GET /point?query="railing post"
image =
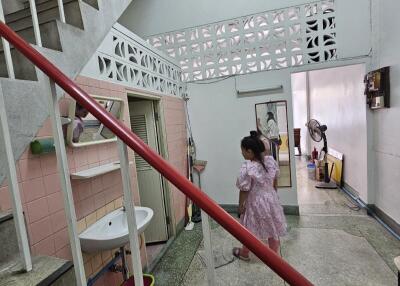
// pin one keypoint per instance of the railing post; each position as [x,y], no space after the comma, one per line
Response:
[63,170]
[13,187]
[6,48]
[61,10]
[205,226]
[130,214]
[35,22]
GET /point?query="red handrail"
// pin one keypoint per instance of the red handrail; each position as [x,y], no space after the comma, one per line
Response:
[275,262]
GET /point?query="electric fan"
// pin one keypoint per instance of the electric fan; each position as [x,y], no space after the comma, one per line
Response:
[317,133]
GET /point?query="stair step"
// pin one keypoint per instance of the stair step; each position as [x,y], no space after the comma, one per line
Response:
[92,3]
[46,271]
[49,34]
[23,68]
[46,11]
[9,250]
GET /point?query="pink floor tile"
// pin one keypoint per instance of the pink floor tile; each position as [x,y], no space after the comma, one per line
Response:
[30,168]
[61,239]
[33,189]
[44,247]
[5,199]
[48,163]
[40,230]
[52,183]
[65,253]
[55,202]
[58,220]
[37,209]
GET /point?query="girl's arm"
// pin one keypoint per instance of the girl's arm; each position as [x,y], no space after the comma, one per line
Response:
[276,184]
[242,201]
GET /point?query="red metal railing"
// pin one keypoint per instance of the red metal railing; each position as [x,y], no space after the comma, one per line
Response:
[275,262]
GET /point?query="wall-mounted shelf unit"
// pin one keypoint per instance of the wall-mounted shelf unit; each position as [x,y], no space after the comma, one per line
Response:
[97,171]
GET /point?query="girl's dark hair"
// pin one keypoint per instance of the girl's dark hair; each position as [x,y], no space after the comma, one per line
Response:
[254,144]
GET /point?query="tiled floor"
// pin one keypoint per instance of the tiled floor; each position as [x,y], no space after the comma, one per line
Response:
[319,201]
[153,251]
[330,243]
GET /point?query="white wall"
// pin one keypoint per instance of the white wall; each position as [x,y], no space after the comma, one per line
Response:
[299,91]
[337,100]
[386,135]
[220,119]
[150,17]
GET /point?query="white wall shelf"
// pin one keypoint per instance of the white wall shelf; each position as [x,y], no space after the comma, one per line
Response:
[97,171]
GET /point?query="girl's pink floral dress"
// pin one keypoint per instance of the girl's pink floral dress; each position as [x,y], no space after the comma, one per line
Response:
[264,215]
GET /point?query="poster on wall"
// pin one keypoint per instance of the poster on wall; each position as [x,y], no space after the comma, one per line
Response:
[377,88]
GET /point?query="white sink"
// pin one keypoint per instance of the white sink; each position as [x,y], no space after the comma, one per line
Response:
[111,231]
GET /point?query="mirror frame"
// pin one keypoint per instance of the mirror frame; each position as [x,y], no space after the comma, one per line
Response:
[290,185]
[71,115]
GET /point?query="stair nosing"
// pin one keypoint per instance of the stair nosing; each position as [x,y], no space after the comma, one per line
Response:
[42,23]
[6,217]
[37,9]
[56,275]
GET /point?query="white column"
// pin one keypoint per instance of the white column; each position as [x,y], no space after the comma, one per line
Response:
[6,48]
[308,94]
[63,170]
[13,188]
[35,21]
[205,224]
[130,213]
[209,255]
[61,10]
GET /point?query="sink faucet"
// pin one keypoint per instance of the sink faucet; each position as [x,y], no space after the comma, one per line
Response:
[123,208]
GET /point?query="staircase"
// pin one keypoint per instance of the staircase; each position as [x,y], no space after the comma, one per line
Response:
[68,45]
[9,253]
[46,270]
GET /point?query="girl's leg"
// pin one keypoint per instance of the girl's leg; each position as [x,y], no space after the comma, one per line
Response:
[274,244]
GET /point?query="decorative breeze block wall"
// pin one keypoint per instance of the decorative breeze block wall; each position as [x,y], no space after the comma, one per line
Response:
[270,40]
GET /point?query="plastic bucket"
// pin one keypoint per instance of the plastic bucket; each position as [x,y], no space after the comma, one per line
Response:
[311,171]
[148,280]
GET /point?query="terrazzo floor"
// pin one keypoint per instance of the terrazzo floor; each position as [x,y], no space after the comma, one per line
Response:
[330,243]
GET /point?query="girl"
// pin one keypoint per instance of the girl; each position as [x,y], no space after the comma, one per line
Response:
[269,128]
[264,140]
[259,206]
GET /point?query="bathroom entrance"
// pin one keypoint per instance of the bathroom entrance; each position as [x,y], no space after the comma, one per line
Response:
[145,122]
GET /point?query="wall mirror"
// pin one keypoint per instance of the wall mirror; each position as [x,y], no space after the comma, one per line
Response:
[272,123]
[85,129]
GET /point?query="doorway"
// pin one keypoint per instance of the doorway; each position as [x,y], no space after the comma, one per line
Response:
[335,98]
[153,189]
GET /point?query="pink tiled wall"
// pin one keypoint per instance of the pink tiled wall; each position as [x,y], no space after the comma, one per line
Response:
[40,185]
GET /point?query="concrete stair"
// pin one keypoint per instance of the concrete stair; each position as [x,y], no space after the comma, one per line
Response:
[9,252]
[46,270]
[68,46]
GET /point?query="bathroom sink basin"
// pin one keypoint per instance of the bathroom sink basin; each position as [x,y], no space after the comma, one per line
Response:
[111,231]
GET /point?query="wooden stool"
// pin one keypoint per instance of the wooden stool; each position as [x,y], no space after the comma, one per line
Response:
[297,136]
